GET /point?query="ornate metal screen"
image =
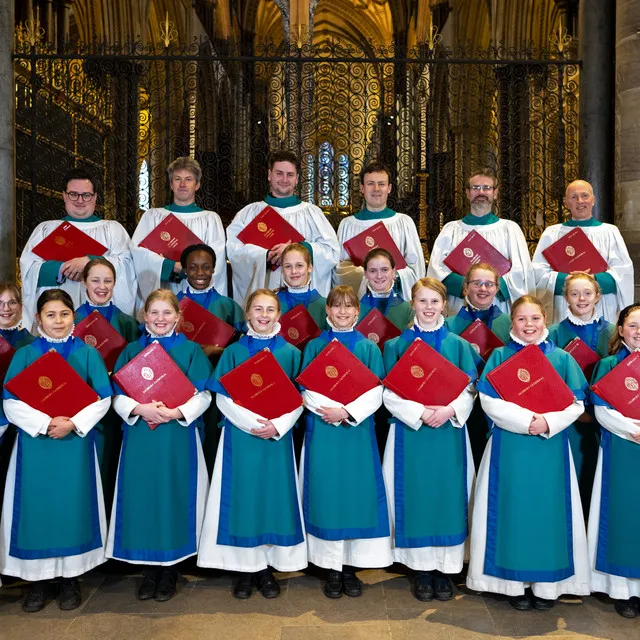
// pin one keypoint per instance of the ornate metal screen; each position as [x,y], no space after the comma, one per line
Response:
[432,115]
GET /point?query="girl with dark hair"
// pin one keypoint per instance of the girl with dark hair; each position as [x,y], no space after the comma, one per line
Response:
[53,519]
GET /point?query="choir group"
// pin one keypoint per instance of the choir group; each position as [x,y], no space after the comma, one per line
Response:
[377,480]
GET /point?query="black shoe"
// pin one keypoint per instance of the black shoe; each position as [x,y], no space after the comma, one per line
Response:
[244,586]
[36,597]
[521,603]
[69,597]
[443,587]
[423,588]
[149,582]
[626,608]
[542,604]
[166,588]
[332,588]
[351,584]
[268,586]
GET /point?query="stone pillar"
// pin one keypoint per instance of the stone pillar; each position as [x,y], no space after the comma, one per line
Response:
[627,139]
[7,156]
[597,86]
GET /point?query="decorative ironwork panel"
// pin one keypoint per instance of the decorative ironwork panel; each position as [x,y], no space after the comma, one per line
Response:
[432,115]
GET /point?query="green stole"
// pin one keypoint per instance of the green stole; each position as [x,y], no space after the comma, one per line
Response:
[618,552]
[158,472]
[529,510]
[596,335]
[311,300]
[498,322]
[343,489]
[394,308]
[55,504]
[258,498]
[428,511]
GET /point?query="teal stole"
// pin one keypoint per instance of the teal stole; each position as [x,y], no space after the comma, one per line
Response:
[428,511]
[17,337]
[529,511]
[311,300]
[61,517]
[394,308]
[618,552]
[343,489]
[258,498]
[220,306]
[124,324]
[158,471]
[595,335]
[498,322]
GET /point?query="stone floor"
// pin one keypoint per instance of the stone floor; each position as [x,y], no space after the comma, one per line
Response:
[204,608]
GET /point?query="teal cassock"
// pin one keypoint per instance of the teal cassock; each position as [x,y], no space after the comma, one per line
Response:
[500,324]
[583,436]
[529,531]
[223,307]
[618,552]
[62,517]
[311,300]
[343,488]
[17,337]
[258,501]
[394,308]
[430,511]
[124,324]
[229,311]
[161,488]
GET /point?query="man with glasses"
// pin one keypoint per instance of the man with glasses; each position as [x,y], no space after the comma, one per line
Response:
[79,197]
[616,282]
[504,235]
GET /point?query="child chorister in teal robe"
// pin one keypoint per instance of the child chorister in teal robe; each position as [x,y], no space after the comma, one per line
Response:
[582,294]
[53,517]
[614,519]
[429,516]
[344,498]
[253,522]
[528,527]
[162,480]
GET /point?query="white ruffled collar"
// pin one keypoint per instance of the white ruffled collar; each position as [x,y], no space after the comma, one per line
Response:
[629,348]
[380,294]
[339,329]
[186,287]
[96,305]
[56,340]
[540,340]
[15,326]
[437,326]
[252,333]
[164,335]
[474,308]
[303,289]
[579,322]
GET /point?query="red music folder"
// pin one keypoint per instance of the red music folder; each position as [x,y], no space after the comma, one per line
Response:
[372,238]
[424,376]
[52,386]
[336,373]
[621,387]
[529,380]
[170,238]
[66,242]
[97,331]
[6,353]
[201,326]
[584,355]
[269,228]
[298,327]
[377,328]
[261,385]
[482,339]
[475,249]
[153,375]
[574,252]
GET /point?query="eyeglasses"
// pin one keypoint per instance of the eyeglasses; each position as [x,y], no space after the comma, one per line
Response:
[483,283]
[12,304]
[74,196]
[482,187]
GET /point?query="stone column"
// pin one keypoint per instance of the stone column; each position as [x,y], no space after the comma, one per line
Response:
[627,139]
[597,85]
[7,157]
